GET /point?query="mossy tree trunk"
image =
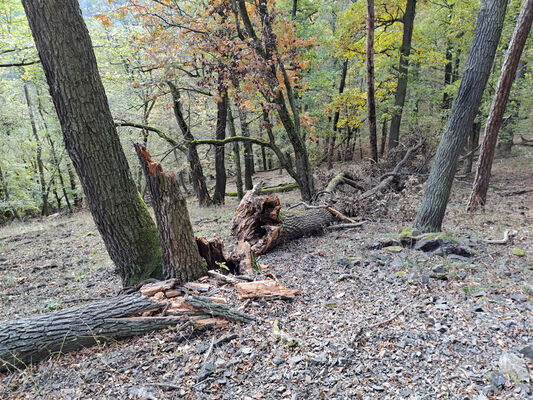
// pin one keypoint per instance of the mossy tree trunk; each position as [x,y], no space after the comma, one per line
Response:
[91,139]
[181,258]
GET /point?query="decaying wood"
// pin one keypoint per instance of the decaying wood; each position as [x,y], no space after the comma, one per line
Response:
[507,235]
[265,289]
[27,340]
[262,224]
[181,258]
[271,189]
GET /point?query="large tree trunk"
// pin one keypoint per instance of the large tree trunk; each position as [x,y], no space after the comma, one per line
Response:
[91,139]
[466,105]
[39,152]
[181,259]
[494,122]
[220,167]
[403,70]
[372,130]
[342,84]
[236,154]
[198,178]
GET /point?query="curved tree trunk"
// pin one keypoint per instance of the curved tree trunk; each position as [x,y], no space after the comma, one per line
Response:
[198,178]
[494,122]
[466,105]
[403,70]
[91,139]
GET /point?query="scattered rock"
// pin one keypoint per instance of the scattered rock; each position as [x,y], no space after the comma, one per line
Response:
[527,351]
[497,380]
[514,366]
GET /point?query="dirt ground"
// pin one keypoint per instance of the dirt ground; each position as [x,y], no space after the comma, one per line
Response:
[422,338]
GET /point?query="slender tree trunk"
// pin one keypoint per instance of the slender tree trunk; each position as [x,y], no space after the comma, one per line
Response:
[403,70]
[494,122]
[466,105]
[55,158]
[294,8]
[336,116]
[383,136]
[73,185]
[198,178]
[448,72]
[220,167]
[248,155]
[372,130]
[236,154]
[39,152]
[5,193]
[91,139]
[181,258]
[472,143]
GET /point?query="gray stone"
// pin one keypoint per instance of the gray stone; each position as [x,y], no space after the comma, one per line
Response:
[439,269]
[278,360]
[514,366]
[497,380]
[461,274]
[294,360]
[527,351]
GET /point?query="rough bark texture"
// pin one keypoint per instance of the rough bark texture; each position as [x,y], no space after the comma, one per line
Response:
[32,339]
[181,259]
[371,99]
[342,84]
[198,178]
[403,69]
[466,105]
[494,122]
[220,167]
[91,139]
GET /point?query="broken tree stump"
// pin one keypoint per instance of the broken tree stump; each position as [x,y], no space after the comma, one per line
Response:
[261,222]
[181,258]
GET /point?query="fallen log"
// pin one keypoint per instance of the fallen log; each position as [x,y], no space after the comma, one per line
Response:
[29,340]
[32,339]
[261,222]
[271,189]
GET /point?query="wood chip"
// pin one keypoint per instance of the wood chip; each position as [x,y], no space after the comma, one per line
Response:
[152,288]
[210,322]
[264,289]
[200,287]
[173,293]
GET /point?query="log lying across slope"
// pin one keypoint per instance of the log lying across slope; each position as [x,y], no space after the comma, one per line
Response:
[27,340]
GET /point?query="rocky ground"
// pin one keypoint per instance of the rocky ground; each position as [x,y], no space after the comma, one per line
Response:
[392,323]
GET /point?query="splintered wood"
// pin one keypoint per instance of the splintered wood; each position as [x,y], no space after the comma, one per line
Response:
[265,289]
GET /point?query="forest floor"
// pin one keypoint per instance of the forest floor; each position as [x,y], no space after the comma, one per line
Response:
[423,338]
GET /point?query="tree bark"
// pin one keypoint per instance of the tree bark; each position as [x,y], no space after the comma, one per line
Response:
[478,196]
[342,84]
[91,139]
[220,167]
[198,178]
[28,340]
[181,259]
[236,154]
[371,99]
[466,105]
[403,70]
[448,72]
[383,136]
[39,152]
[248,154]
